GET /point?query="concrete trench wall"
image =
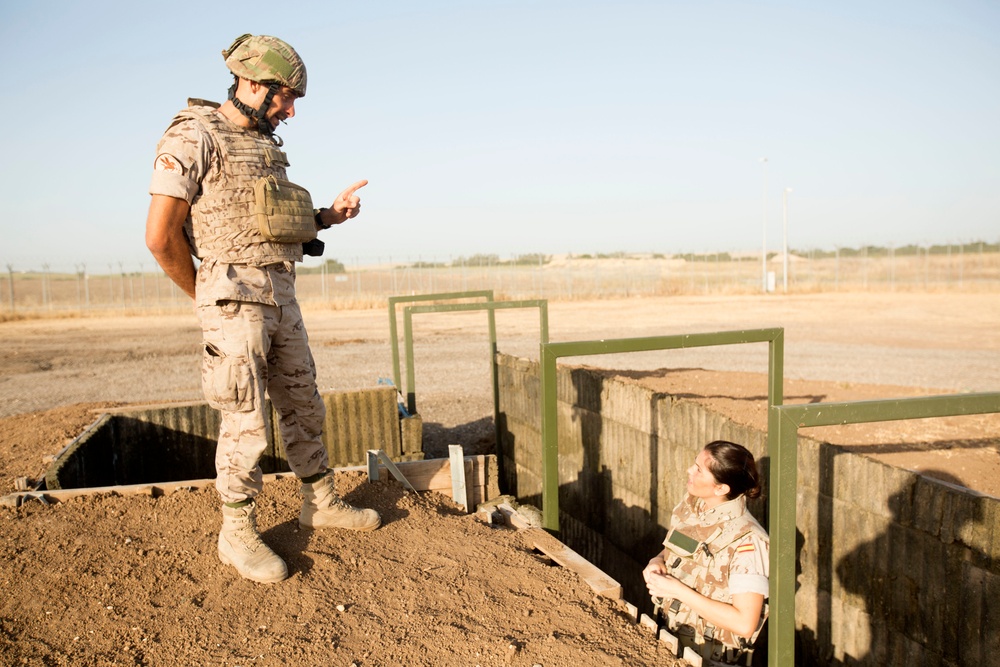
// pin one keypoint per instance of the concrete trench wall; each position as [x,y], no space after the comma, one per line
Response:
[174,442]
[894,568]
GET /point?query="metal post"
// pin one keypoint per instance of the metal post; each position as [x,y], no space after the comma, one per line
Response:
[550,439]
[10,284]
[784,250]
[46,288]
[763,249]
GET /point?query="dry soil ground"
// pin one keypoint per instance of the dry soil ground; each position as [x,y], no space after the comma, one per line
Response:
[114,580]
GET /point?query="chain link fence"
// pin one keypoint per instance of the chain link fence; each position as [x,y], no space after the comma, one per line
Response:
[141,287]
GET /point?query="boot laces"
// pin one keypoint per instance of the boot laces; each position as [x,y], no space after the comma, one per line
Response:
[336,502]
[246,533]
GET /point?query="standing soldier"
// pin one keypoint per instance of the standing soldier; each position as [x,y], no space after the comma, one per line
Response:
[219,193]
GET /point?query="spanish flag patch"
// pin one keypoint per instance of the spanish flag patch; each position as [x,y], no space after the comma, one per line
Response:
[744,548]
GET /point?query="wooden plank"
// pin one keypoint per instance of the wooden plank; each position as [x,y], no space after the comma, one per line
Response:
[590,573]
[154,490]
[435,474]
[426,475]
[456,462]
[384,458]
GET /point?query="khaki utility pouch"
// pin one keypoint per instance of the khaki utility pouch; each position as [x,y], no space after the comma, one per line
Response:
[284,211]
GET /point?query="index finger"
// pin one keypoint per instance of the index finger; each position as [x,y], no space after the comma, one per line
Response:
[357,186]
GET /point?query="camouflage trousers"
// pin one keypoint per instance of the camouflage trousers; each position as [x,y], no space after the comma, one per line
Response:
[250,349]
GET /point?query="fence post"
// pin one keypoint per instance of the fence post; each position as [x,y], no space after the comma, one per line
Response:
[10,285]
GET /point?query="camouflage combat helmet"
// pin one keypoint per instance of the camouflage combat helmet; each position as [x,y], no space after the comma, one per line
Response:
[266,59]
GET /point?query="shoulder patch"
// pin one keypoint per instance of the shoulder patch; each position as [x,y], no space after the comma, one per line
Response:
[167,162]
[743,548]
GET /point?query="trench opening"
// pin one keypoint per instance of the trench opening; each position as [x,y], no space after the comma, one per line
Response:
[176,442]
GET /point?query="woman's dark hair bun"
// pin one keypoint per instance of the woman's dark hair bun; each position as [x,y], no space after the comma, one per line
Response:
[734,465]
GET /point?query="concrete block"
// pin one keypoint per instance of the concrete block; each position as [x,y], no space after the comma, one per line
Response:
[628,404]
[807,463]
[647,622]
[807,530]
[825,475]
[929,500]
[412,434]
[873,477]
[895,495]
[974,616]
[824,538]
[670,641]
[906,578]
[990,631]
[933,593]
[847,479]
[856,630]
[847,546]
[986,549]
[951,602]
[971,522]
[664,416]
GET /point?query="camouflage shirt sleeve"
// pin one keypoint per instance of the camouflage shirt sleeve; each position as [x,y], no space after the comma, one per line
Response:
[183,157]
[748,569]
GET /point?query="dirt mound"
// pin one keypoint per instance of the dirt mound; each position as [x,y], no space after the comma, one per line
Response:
[136,580]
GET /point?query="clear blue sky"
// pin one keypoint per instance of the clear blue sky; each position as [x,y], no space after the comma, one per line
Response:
[528,126]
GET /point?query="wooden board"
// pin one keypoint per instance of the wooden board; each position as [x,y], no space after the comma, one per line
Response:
[590,573]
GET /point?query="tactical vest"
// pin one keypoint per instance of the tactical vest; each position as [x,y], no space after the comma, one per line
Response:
[243,216]
[699,548]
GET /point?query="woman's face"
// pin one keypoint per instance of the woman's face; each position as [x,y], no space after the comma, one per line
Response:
[701,483]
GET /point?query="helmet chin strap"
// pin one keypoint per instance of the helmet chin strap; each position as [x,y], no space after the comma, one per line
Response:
[258,115]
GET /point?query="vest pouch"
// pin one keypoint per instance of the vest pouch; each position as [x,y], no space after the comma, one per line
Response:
[284,211]
[681,544]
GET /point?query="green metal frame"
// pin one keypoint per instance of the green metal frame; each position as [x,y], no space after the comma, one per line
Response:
[784,422]
[552,351]
[491,307]
[443,296]
[781,492]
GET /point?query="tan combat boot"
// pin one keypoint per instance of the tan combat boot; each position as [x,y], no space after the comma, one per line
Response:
[322,508]
[240,545]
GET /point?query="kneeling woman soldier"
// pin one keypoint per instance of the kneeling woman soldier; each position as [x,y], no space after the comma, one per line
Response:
[710,580]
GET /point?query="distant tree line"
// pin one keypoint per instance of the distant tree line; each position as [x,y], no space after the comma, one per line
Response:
[534,259]
[911,249]
[863,251]
[538,259]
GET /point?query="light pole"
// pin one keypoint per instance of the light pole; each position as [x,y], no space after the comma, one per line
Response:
[763,249]
[784,248]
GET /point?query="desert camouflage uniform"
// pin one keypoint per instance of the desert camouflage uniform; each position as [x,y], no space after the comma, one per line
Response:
[717,552]
[253,334]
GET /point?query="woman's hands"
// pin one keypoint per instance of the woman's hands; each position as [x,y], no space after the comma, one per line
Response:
[741,615]
[659,583]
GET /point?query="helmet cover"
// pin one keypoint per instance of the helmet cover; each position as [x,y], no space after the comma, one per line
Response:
[266,59]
